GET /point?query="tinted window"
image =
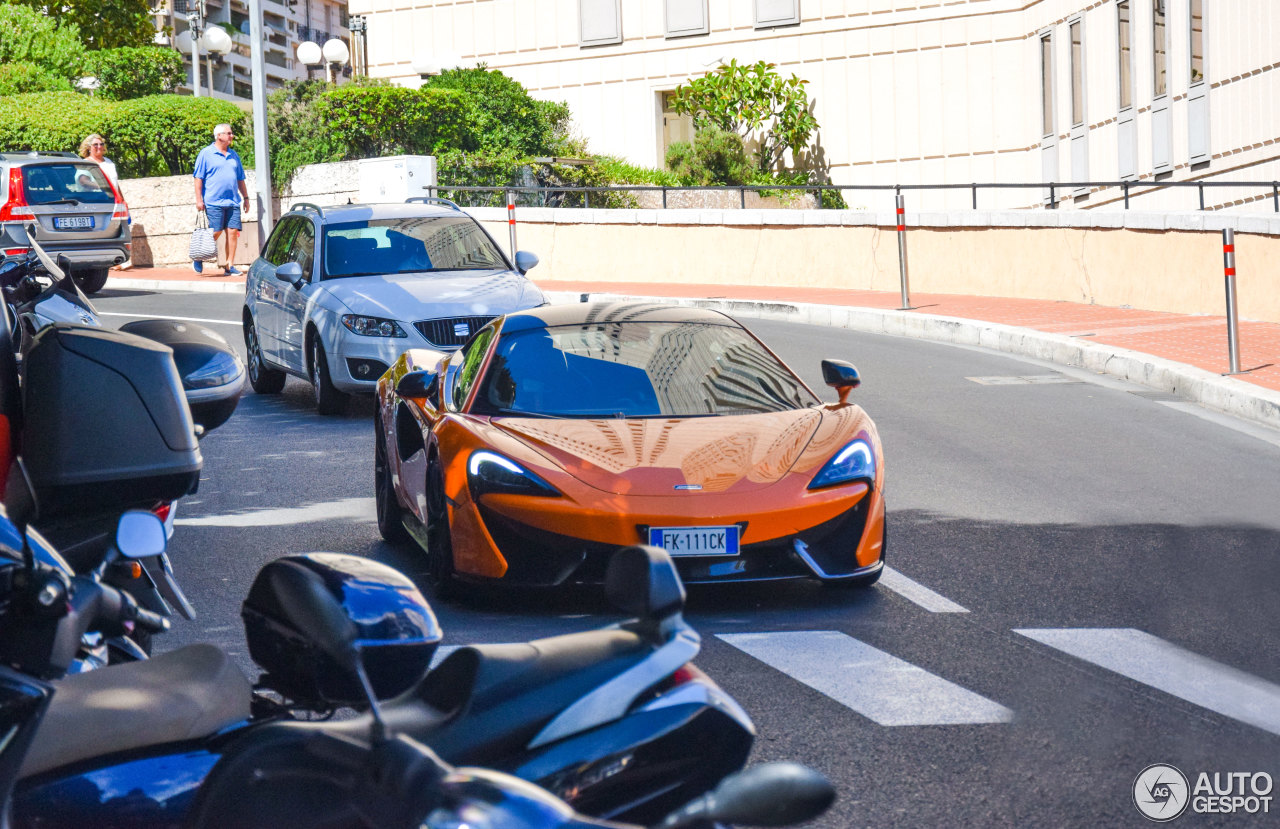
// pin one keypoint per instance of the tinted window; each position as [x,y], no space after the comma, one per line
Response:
[303,248]
[387,246]
[637,369]
[86,183]
[281,241]
[467,361]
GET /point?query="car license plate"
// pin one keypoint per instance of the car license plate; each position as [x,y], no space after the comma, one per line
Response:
[72,222]
[696,541]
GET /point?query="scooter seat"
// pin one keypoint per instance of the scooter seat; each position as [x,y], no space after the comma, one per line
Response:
[181,695]
[505,694]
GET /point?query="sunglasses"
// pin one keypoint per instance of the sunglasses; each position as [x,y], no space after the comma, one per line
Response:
[97,144]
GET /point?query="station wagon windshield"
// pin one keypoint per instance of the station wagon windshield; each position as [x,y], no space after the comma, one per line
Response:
[409,245]
[637,369]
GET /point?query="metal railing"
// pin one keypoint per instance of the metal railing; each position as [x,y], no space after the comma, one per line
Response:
[562,196]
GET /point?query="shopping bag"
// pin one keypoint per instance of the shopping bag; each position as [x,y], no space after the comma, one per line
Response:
[203,247]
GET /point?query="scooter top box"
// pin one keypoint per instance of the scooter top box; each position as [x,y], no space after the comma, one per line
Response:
[105,422]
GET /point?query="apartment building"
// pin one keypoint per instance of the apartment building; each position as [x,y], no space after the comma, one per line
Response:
[907,91]
[287,24]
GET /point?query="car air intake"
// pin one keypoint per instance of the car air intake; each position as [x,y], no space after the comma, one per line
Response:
[450,332]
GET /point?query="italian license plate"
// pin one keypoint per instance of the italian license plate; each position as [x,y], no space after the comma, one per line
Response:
[696,541]
[73,222]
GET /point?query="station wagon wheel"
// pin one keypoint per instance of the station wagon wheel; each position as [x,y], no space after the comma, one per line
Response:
[91,281]
[390,514]
[264,380]
[440,572]
[329,401]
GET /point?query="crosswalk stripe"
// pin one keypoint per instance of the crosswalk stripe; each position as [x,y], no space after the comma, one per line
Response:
[1153,661]
[878,685]
[918,593]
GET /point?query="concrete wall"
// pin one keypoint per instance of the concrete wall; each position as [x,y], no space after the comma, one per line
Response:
[1155,261]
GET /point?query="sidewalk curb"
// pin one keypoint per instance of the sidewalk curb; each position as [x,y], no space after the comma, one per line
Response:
[1223,394]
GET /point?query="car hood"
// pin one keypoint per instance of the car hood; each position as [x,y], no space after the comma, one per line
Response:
[660,456]
[415,296]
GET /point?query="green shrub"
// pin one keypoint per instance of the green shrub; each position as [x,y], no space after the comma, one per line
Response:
[24,76]
[49,121]
[28,36]
[374,121]
[134,72]
[163,134]
[617,171]
[466,169]
[504,117]
[716,156]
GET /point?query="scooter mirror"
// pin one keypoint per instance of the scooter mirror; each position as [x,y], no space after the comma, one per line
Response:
[140,534]
[772,794]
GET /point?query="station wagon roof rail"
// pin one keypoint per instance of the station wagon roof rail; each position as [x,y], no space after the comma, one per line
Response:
[306,205]
[432,200]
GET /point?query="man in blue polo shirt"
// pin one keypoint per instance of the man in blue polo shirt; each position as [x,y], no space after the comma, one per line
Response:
[218,175]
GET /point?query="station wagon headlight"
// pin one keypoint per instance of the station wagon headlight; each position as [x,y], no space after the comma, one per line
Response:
[855,462]
[490,472]
[372,326]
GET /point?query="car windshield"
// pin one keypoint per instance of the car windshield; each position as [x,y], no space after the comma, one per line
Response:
[410,245]
[61,183]
[637,369]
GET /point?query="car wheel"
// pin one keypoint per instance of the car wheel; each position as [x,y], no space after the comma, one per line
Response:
[329,401]
[440,571]
[390,515]
[91,281]
[868,580]
[264,380]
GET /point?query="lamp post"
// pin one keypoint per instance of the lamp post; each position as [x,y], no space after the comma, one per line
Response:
[215,40]
[334,51]
[186,43]
[261,149]
[359,28]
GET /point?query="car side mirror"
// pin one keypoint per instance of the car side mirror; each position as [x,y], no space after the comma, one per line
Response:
[418,384]
[290,272]
[841,376]
[140,534]
[526,261]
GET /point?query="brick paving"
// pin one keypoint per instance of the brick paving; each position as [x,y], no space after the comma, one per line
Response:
[1195,340]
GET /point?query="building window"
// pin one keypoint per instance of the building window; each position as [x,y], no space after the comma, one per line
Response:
[1159,48]
[771,13]
[1046,84]
[1077,75]
[686,17]
[600,22]
[1125,46]
[1197,41]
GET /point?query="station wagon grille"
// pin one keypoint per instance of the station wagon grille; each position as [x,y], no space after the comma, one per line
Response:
[450,332]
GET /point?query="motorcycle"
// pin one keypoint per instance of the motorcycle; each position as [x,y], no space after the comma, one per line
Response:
[38,294]
[618,721]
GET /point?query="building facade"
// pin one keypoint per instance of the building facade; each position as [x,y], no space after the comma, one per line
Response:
[1089,93]
[287,24]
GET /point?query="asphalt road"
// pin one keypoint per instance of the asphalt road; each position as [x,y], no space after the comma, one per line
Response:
[1086,582]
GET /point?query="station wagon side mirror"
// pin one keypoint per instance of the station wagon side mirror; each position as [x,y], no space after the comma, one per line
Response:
[841,376]
[290,272]
[418,384]
[526,261]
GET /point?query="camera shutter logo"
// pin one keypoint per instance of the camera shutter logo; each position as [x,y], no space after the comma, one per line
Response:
[1161,792]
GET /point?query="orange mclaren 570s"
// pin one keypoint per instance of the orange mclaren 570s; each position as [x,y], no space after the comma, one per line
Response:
[558,434]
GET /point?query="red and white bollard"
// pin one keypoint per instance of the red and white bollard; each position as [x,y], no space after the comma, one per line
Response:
[902,252]
[511,221]
[1229,270]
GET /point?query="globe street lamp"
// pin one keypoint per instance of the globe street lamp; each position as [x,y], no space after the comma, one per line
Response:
[215,40]
[334,51]
[309,54]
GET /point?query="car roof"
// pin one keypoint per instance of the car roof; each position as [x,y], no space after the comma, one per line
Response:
[337,214]
[593,313]
[39,158]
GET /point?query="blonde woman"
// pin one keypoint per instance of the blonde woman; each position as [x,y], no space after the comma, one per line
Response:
[94,148]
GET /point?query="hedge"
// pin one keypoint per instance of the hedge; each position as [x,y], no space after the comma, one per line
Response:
[156,135]
[375,121]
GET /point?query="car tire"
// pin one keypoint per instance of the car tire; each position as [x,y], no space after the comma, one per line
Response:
[329,401]
[390,514]
[862,582]
[263,380]
[92,280]
[440,570]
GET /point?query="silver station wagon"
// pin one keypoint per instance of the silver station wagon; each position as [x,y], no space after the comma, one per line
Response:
[340,292]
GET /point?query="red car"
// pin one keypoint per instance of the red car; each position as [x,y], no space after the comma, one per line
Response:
[557,434]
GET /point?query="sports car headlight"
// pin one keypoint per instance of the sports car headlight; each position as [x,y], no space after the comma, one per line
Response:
[372,326]
[490,472]
[855,462]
